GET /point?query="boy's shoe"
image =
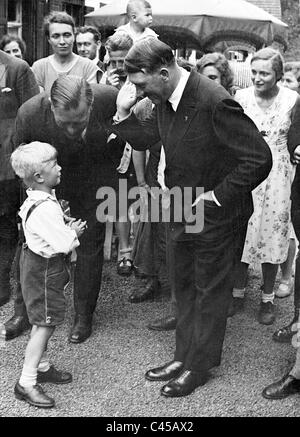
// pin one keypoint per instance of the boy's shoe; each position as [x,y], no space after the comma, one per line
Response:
[34,395]
[54,376]
[266,314]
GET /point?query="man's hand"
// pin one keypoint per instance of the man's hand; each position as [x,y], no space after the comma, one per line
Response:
[113,79]
[204,196]
[126,99]
[296,156]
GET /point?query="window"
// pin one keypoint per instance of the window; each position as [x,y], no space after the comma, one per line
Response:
[14,17]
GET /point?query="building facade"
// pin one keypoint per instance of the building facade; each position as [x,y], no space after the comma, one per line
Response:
[24,18]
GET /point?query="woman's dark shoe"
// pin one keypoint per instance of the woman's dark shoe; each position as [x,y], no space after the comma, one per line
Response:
[54,376]
[125,267]
[283,388]
[34,395]
[166,372]
[266,314]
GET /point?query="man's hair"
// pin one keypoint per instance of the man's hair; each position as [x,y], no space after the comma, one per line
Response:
[268,53]
[6,39]
[184,63]
[68,91]
[58,17]
[218,61]
[294,67]
[135,5]
[119,41]
[29,159]
[150,54]
[90,29]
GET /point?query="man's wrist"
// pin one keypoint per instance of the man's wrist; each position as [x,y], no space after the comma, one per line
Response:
[121,116]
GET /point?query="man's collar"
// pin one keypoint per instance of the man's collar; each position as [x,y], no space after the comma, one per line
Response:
[96,59]
[175,97]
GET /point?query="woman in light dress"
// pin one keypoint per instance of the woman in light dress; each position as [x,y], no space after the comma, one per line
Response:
[271,107]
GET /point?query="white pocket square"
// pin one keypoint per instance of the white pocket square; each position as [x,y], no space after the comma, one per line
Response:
[6,90]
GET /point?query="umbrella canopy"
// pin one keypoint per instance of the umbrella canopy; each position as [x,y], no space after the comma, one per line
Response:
[196,23]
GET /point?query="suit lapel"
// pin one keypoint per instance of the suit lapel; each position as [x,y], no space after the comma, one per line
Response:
[185,113]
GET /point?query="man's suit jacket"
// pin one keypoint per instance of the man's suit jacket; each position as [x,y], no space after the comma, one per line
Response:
[86,162]
[293,142]
[17,84]
[209,143]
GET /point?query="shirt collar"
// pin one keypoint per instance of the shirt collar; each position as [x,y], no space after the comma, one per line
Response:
[40,195]
[96,59]
[175,97]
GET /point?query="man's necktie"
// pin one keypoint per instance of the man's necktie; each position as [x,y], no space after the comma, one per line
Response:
[169,115]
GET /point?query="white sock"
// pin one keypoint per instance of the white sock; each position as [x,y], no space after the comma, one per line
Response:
[239,292]
[267,297]
[28,376]
[44,364]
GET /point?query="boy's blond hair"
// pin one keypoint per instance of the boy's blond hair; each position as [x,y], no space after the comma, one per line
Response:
[29,159]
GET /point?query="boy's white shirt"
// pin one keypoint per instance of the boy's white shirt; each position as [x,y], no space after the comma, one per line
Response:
[45,231]
[137,36]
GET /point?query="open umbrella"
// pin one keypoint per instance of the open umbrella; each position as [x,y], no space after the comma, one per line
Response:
[198,23]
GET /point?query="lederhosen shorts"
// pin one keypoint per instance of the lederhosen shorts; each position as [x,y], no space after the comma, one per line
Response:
[43,282]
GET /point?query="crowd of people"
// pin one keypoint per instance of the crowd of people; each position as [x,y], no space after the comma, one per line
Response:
[129,114]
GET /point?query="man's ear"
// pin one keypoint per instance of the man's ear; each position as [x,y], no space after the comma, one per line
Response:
[164,73]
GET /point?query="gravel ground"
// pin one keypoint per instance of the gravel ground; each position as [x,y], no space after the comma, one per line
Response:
[108,369]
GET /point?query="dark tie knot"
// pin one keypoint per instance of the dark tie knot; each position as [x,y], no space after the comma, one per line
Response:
[169,107]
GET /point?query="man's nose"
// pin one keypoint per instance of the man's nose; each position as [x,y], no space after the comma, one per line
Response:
[61,40]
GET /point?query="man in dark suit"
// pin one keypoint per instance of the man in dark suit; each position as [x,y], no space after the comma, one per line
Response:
[209,142]
[88,44]
[17,84]
[72,119]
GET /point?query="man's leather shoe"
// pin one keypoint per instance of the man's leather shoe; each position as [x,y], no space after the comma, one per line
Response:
[184,384]
[16,326]
[54,376]
[164,324]
[81,330]
[236,306]
[4,300]
[286,386]
[34,396]
[146,293]
[166,372]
